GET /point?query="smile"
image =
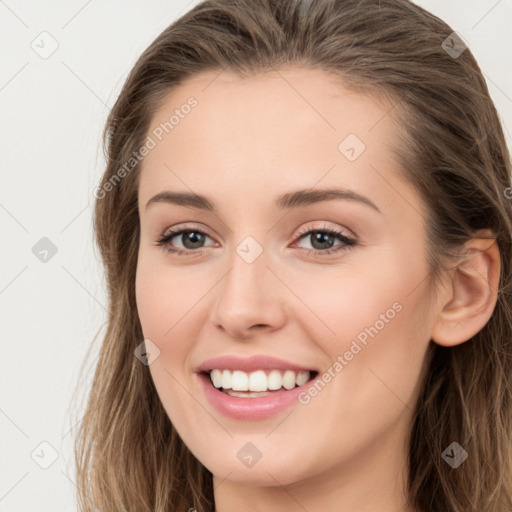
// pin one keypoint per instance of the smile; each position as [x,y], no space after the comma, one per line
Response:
[257,383]
[255,387]
[251,405]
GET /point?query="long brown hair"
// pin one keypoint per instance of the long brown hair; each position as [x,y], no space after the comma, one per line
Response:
[128,455]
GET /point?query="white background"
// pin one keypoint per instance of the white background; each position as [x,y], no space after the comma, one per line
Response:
[52,113]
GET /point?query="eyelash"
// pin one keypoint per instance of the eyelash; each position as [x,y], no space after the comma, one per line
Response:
[348,242]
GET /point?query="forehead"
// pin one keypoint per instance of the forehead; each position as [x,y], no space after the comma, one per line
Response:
[293,98]
[266,130]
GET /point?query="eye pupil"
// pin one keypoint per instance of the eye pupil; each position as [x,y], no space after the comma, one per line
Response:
[193,236]
[321,238]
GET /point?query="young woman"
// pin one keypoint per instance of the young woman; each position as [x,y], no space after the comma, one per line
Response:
[306,227]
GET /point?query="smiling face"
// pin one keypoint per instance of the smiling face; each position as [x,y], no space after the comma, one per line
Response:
[332,282]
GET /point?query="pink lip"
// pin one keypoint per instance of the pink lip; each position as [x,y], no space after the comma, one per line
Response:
[250,408]
[249,364]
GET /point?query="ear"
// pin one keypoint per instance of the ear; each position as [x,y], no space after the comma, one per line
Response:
[468,300]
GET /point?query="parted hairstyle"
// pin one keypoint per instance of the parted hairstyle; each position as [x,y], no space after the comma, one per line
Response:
[128,455]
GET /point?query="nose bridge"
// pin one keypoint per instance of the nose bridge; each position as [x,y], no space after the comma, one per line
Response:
[247,296]
[245,283]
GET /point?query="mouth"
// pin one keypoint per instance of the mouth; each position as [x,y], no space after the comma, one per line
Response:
[253,388]
[259,383]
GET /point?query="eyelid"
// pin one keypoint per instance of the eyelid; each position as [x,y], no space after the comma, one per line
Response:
[303,231]
[184,226]
[325,227]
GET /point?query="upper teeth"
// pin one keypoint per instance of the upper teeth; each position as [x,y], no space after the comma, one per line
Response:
[258,380]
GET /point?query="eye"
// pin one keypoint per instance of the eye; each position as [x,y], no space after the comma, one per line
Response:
[192,238]
[323,239]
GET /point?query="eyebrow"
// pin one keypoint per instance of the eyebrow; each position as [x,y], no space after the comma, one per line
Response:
[288,201]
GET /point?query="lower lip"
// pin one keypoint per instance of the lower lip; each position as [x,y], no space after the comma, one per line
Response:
[250,408]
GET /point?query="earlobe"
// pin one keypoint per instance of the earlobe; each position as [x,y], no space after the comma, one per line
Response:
[472,292]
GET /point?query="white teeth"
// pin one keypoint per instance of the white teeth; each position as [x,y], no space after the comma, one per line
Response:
[302,378]
[275,380]
[289,379]
[246,394]
[226,380]
[216,377]
[240,381]
[259,380]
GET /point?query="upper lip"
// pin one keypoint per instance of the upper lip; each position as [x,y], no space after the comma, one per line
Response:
[248,364]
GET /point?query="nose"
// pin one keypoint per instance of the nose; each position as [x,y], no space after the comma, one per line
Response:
[249,299]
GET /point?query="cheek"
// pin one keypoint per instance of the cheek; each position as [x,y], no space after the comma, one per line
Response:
[163,297]
[375,321]
[345,303]
[169,306]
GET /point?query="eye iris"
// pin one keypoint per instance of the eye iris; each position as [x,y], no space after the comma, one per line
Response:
[321,238]
[193,236]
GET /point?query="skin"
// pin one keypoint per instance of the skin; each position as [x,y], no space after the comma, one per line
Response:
[245,143]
